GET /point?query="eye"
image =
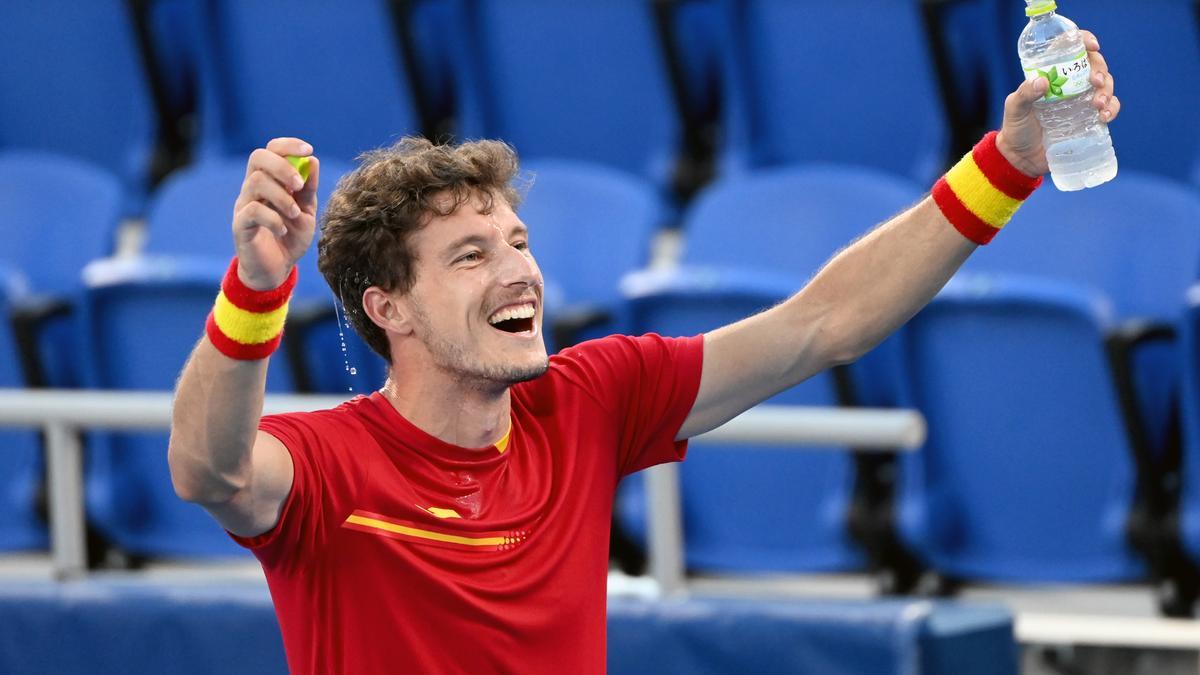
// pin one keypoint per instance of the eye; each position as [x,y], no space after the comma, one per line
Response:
[521,245]
[473,256]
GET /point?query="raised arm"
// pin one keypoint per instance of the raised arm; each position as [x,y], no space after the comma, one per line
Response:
[869,289]
[218,458]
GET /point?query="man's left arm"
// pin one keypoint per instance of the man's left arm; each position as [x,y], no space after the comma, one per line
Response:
[869,289]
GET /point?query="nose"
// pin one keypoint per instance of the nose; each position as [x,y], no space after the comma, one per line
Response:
[519,268]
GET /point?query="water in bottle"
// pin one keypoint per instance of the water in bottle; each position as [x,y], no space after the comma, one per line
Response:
[1078,148]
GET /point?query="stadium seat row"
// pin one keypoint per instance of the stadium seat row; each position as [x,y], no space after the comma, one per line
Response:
[1057,372]
[651,87]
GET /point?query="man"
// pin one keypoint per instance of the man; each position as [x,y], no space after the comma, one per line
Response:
[457,520]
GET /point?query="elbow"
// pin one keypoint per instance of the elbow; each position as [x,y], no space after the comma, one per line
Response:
[196,482]
[837,344]
[183,479]
[847,351]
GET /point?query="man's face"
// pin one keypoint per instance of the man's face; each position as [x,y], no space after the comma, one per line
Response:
[476,303]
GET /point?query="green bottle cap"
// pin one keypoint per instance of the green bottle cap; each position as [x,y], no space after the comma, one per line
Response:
[1039,7]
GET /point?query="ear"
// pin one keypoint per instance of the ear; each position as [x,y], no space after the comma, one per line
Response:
[387,310]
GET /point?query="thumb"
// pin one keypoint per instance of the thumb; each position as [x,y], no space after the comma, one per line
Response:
[1031,90]
[1018,107]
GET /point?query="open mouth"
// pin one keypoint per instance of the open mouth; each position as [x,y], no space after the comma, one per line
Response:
[514,319]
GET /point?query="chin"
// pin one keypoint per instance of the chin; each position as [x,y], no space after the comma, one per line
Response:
[530,371]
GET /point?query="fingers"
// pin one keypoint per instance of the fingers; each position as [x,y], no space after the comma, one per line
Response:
[276,166]
[263,187]
[255,215]
[289,146]
[1090,41]
[1104,101]
[272,180]
[1111,110]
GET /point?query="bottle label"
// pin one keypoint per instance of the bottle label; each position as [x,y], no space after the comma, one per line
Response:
[1067,79]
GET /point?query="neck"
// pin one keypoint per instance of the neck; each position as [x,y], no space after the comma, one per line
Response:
[455,412]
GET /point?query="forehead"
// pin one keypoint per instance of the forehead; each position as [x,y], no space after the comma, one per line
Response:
[469,218]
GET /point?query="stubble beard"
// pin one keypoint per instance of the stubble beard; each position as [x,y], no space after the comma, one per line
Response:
[454,357]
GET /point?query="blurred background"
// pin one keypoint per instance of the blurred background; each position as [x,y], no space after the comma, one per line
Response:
[689,162]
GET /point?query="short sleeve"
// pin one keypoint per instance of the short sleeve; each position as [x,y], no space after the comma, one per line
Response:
[301,527]
[647,385]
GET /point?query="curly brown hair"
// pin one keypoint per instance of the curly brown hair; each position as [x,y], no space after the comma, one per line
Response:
[395,191]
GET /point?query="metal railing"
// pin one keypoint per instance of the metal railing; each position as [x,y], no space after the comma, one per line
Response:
[62,414]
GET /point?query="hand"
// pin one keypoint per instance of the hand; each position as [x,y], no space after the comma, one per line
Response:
[275,215]
[1020,138]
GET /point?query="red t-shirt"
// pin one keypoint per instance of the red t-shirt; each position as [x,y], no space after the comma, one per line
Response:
[396,552]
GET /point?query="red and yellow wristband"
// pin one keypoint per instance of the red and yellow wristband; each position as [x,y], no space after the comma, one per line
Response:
[983,191]
[246,324]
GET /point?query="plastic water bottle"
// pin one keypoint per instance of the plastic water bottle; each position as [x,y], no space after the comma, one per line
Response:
[1078,147]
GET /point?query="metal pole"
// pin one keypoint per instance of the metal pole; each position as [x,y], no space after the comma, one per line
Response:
[666,528]
[866,429]
[64,463]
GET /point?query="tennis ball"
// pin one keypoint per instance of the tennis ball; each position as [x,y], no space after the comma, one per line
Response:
[301,164]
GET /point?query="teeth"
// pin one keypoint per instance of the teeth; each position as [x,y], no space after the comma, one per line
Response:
[525,311]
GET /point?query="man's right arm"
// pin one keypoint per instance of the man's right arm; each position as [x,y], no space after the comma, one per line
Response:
[217,456]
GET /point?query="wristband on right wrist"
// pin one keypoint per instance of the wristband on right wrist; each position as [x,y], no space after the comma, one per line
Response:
[983,191]
[246,324]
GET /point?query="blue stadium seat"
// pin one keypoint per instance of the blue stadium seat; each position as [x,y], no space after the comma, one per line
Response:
[726,525]
[56,213]
[589,226]
[50,200]
[787,223]
[335,75]
[1027,474]
[1134,239]
[570,79]
[21,462]
[141,317]
[74,84]
[192,211]
[1150,135]
[792,220]
[1097,237]
[190,215]
[812,81]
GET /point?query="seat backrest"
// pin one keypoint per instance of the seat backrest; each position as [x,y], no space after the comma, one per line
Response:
[21,462]
[728,526]
[191,215]
[140,320]
[1026,474]
[335,75]
[808,81]
[74,83]
[56,214]
[1134,239]
[790,220]
[589,225]
[571,79]
[141,317]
